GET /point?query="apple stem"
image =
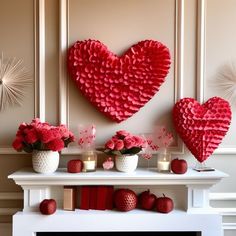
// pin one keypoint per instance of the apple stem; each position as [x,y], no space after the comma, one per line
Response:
[164,195]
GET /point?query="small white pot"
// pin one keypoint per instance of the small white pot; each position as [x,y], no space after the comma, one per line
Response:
[126,163]
[45,162]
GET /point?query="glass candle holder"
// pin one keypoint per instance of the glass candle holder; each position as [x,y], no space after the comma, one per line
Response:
[163,161]
[89,159]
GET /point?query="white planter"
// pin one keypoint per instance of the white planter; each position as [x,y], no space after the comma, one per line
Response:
[126,163]
[45,162]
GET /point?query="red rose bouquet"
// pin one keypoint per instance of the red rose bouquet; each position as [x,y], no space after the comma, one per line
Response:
[42,136]
[124,143]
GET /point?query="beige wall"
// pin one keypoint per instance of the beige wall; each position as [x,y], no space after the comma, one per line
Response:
[118,24]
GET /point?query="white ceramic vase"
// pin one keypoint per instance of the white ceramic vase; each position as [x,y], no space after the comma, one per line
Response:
[45,162]
[126,163]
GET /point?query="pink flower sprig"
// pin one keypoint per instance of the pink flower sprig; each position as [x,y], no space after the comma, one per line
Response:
[163,138]
[124,143]
[41,136]
[87,136]
[150,146]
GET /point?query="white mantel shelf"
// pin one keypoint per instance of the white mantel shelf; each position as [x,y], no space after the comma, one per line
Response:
[139,177]
[194,214]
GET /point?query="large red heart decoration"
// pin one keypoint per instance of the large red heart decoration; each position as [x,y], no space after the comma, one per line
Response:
[202,127]
[118,86]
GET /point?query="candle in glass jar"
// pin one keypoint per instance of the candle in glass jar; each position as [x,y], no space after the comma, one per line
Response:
[89,165]
[163,165]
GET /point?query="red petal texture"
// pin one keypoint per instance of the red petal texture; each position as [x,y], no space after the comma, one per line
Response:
[202,127]
[118,86]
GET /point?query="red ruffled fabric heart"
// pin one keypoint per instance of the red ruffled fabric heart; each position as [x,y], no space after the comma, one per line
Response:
[202,127]
[118,86]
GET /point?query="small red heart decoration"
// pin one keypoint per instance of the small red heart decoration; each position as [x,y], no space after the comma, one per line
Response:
[202,127]
[118,86]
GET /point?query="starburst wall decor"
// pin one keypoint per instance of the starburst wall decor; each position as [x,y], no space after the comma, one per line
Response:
[225,81]
[14,79]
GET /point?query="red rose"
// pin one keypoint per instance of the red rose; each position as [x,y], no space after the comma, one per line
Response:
[17,144]
[48,135]
[55,145]
[56,132]
[40,125]
[22,126]
[122,133]
[19,133]
[139,142]
[36,121]
[64,131]
[110,144]
[119,145]
[129,142]
[31,136]
[36,134]
[115,139]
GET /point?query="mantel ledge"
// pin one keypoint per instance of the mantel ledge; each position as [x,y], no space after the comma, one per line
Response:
[27,177]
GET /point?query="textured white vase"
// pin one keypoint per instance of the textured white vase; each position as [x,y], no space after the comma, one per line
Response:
[126,163]
[45,162]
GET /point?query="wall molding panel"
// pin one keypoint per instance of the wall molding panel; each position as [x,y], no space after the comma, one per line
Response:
[39,31]
[39,68]
[201,64]
[201,25]
[6,196]
[225,212]
[8,211]
[6,229]
[63,75]
[229,226]
[11,196]
[224,197]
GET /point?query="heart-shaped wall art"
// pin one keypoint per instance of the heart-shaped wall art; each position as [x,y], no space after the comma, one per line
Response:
[118,86]
[202,127]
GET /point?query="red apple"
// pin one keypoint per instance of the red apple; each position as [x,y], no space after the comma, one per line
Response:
[147,200]
[125,199]
[48,206]
[179,166]
[74,166]
[164,204]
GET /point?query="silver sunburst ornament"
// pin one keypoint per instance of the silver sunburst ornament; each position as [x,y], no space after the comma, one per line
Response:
[14,79]
[226,81]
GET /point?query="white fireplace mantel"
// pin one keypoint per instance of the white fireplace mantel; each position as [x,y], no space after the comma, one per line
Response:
[193,214]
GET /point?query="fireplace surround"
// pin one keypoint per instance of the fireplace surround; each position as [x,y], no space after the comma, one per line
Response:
[190,192]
